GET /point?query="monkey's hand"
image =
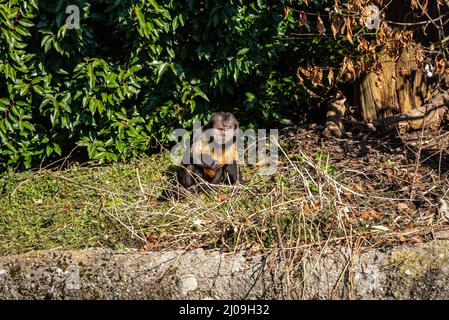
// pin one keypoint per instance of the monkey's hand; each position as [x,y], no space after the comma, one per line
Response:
[210,163]
[216,165]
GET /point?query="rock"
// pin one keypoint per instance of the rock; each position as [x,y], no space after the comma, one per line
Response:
[187,283]
[441,234]
[418,272]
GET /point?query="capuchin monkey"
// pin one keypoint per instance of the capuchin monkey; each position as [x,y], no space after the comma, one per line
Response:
[213,155]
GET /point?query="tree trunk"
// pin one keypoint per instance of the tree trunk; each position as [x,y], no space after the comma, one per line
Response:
[401,87]
[398,88]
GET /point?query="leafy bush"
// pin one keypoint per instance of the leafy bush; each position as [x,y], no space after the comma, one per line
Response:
[135,70]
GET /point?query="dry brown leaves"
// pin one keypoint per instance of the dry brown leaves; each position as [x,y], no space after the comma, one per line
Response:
[342,24]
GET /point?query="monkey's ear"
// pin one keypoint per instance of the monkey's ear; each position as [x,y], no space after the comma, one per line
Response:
[211,123]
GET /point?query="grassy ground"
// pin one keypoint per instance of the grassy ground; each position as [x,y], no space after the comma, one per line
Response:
[371,192]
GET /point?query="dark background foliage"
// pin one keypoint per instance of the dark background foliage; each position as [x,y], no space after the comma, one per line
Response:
[136,70]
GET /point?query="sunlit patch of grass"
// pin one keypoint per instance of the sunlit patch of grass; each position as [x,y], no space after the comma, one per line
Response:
[47,209]
[311,201]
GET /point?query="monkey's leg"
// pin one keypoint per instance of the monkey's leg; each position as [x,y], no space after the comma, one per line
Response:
[233,173]
[185,177]
[218,177]
[188,176]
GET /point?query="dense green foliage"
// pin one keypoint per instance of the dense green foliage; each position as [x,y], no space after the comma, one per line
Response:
[135,70]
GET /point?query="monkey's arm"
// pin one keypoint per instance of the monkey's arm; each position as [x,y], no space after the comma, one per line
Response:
[201,155]
[208,162]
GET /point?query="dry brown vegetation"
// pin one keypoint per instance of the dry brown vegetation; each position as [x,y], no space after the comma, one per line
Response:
[358,192]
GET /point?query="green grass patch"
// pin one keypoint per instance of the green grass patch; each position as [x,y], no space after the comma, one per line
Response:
[310,201]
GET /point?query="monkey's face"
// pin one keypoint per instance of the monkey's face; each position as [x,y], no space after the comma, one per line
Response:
[224,127]
[223,134]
